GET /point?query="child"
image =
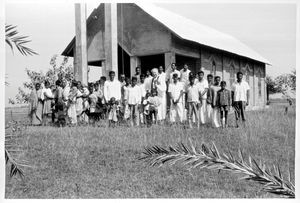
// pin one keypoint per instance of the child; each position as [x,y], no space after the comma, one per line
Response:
[124,104]
[113,110]
[92,98]
[61,114]
[151,103]
[193,93]
[223,103]
[133,98]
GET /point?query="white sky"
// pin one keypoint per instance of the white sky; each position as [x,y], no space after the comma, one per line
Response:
[269,29]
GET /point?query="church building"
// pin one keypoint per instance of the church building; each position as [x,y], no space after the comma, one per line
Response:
[121,37]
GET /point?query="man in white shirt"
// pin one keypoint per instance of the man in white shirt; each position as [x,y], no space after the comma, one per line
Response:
[122,79]
[148,81]
[192,98]
[240,97]
[161,73]
[159,85]
[215,110]
[184,74]
[134,100]
[137,73]
[203,86]
[176,91]
[209,95]
[112,88]
[174,70]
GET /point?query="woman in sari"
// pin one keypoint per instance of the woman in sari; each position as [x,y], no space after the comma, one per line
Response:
[36,105]
[72,104]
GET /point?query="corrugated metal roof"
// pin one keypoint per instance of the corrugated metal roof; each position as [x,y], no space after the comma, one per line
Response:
[202,34]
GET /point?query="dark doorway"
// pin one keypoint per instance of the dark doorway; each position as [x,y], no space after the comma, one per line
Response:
[191,62]
[152,61]
[123,62]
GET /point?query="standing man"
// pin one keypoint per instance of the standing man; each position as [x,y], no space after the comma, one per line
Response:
[160,86]
[203,86]
[240,97]
[137,73]
[184,74]
[209,98]
[173,71]
[215,110]
[133,98]
[161,73]
[148,81]
[162,76]
[184,77]
[112,88]
[192,98]
[176,91]
[122,79]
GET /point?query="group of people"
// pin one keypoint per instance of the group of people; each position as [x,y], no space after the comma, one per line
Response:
[154,97]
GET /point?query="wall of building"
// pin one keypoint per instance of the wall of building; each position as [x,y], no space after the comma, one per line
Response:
[259,90]
[231,65]
[227,65]
[211,62]
[184,47]
[248,71]
[140,33]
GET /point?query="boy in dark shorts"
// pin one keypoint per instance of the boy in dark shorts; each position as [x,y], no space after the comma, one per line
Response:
[223,103]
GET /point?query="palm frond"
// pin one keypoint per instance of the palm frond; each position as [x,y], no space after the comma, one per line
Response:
[210,158]
[18,42]
[12,134]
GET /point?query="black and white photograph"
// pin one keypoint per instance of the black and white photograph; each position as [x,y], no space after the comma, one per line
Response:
[149,99]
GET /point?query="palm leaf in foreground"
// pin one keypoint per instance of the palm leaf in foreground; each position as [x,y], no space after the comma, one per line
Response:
[12,134]
[210,158]
[18,42]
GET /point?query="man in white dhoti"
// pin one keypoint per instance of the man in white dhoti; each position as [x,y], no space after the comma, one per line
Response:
[159,85]
[215,111]
[209,98]
[203,86]
[162,76]
[176,91]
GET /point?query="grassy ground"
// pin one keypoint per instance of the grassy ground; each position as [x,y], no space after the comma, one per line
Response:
[91,162]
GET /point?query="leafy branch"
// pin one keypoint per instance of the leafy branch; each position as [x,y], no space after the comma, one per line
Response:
[210,158]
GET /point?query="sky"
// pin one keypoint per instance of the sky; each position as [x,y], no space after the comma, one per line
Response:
[269,29]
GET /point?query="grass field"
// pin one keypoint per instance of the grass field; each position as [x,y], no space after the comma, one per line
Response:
[91,162]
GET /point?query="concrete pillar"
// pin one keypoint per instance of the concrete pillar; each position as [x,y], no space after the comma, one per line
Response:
[169,59]
[80,60]
[111,38]
[134,62]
